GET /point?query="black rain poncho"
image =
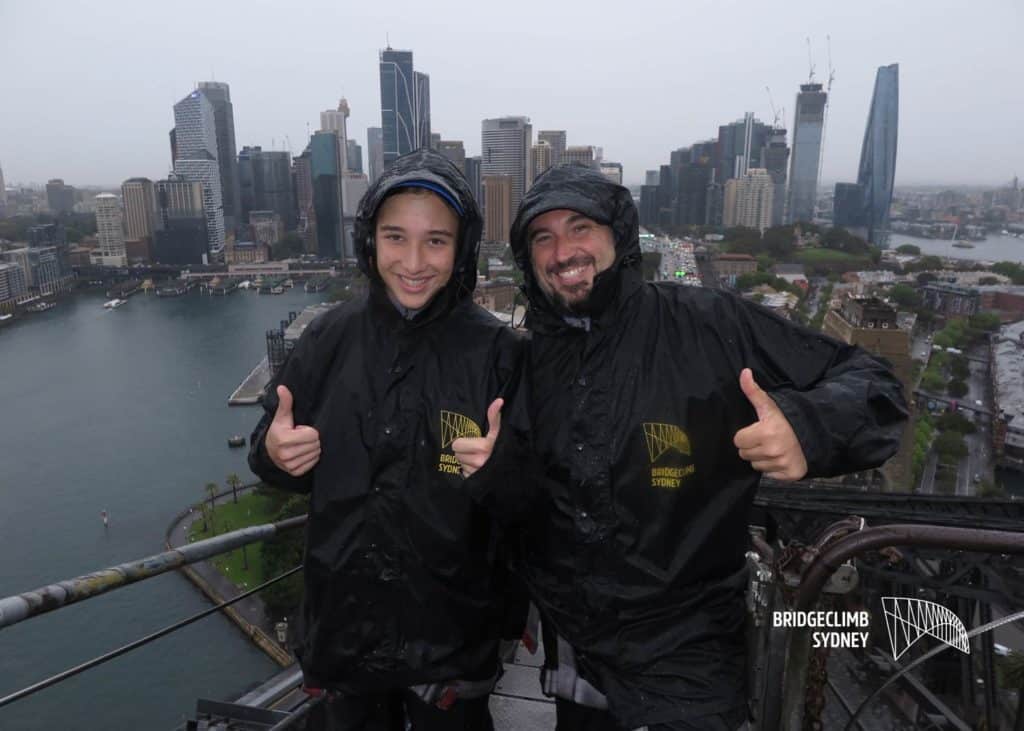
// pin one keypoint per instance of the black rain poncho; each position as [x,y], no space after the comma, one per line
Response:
[401,585]
[635,524]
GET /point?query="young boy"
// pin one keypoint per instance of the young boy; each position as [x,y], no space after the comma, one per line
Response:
[403,604]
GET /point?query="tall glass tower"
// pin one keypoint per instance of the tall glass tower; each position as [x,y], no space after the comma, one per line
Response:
[878,155]
[404,105]
[806,156]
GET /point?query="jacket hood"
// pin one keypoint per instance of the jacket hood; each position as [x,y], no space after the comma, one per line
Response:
[424,165]
[585,191]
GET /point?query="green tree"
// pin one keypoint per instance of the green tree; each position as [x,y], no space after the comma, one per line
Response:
[959,368]
[986,281]
[1010,269]
[765,263]
[933,382]
[909,249]
[985,321]
[905,295]
[289,246]
[282,553]
[957,389]
[234,482]
[951,446]
[211,493]
[956,422]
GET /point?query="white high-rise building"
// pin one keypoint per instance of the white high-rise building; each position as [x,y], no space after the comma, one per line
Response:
[109,232]
[3,191]
[505,150]
[196,139]
[748,200]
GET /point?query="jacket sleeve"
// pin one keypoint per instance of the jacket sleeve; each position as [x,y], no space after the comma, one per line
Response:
[300,373]
[506,485]
[847,408]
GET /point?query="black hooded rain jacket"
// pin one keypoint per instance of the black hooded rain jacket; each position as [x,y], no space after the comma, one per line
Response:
[399,580]
[635,550]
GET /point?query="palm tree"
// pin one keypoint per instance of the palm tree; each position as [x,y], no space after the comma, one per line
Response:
[234,482]
[211,492]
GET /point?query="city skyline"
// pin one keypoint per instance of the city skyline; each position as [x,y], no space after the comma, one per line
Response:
[523,69]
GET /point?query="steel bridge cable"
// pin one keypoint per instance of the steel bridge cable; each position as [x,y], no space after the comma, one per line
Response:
[927,656]
[71,672]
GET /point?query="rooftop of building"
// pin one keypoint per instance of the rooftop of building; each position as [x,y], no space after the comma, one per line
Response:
[1008,373]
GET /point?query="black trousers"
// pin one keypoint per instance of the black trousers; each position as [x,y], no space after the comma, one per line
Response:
[574,717]
[398,710]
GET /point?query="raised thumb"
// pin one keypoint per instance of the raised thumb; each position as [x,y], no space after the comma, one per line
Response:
[283,415]
[758,398]
[494,418]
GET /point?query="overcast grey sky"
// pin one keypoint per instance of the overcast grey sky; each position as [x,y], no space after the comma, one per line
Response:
[88,88]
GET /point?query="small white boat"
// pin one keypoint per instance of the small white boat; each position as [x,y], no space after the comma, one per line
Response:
[114,303]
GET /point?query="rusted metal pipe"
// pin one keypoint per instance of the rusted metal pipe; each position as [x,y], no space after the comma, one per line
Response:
[19,607]
[869,539]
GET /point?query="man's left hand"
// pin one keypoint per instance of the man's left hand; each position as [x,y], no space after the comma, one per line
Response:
[769,444]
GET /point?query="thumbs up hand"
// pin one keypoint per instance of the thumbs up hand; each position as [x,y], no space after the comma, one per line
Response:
[473,452]
[294,449]
[769,444]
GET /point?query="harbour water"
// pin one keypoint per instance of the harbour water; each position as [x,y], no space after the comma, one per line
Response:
[994,248]
[123,410]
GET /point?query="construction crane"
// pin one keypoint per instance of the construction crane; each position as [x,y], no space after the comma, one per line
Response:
[810,63]
[828,102]
[778,115]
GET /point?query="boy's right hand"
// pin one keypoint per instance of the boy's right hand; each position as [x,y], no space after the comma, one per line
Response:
[294,449]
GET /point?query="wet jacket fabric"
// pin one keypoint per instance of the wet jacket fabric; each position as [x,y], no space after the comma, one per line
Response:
[634,542]
[400,586]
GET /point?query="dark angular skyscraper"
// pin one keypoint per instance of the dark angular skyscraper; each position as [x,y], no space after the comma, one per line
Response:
[219,95]
[878,155]
[404,105]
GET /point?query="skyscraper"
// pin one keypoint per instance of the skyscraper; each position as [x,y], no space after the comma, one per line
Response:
[848,210]
[302,181]
[3,192]
[612,171]
[374,152]
[498,207]
[775,159]
[180,237]
[60,197]
[504,148]
[336,121]
[455,151]
[404,105]
[109,232]
[327,193]
[473,166]
[878,154]
[555,138]
[140,213]
[748,200]
[740,145]
[195,133]
[421,110]
[353,156]
[219,95]
[808,123]
[265,181]
[581,155]
[540,160]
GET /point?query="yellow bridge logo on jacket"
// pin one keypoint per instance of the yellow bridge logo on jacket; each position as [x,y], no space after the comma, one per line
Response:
[454,426]
[667,443]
